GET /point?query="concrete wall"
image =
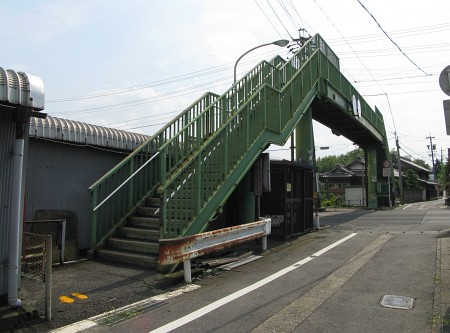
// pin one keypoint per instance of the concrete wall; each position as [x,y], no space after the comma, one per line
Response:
[414,195]
[354,196]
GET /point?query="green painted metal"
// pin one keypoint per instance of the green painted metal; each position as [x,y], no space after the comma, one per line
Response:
[199,158]
[372,177]
[304,146]
[115,210]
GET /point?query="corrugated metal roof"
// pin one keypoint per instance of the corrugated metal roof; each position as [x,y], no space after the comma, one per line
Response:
[20,88]
[59,129]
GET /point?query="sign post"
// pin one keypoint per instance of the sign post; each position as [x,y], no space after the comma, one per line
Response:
[387,170]
[444,83]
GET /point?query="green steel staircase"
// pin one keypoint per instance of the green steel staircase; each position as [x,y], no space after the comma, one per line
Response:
[175,183]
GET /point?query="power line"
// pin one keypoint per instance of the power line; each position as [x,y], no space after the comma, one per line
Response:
[387,35]
[267,17]
[160,97]
[174,79]
[360,60]
[340,33]
[157,98]
[302,20]
[398,33]
[403,92]
[288,14]
[146,117]
[281,22]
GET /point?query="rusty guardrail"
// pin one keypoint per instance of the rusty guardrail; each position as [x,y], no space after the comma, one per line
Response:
[176,250]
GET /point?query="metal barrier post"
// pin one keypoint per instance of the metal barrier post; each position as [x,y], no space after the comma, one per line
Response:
[187,271]
[48,277]
[63,242]
[177,250]
[317,221]
[264,243]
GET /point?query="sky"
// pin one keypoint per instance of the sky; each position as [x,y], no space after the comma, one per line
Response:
[135,64]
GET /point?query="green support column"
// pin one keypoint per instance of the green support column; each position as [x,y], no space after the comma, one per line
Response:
[372,179]
[304,146]
[246,199]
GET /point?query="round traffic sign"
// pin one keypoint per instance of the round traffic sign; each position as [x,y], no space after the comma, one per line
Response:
[444,80]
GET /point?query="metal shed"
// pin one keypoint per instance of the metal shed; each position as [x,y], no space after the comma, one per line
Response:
[21,97]
[65,157]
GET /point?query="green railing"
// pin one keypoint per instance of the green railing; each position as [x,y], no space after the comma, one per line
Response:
[122,189]
[190,158]
[270,108]
[117,193]
[185,193]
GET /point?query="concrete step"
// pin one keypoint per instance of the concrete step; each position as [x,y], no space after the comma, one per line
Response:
[132,245]
[129,258]
[152,202]
[148,211]
[144,222]
[139,233]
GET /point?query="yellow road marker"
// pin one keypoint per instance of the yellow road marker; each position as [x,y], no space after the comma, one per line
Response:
[79,296]
[65,299]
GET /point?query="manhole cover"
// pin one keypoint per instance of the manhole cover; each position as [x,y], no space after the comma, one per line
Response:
[397,302]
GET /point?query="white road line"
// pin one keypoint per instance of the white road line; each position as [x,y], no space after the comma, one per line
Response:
[88,323]
[407,206]
[291,316]
[217,304]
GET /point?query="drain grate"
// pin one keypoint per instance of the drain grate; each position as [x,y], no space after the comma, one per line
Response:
[397,302]
[112,318]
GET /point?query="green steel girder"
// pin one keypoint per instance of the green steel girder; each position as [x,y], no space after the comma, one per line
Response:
[198,159]
[225,190]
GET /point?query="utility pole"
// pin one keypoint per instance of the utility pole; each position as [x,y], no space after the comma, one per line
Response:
[399,165]
[431,147]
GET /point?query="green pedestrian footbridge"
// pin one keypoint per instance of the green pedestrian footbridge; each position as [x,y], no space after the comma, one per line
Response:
[178,181]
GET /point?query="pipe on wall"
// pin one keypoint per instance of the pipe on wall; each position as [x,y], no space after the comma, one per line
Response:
[14,229]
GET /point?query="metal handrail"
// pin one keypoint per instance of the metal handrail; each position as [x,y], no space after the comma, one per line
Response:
[288,71]
[104,220]
[194,163]
[185,138]
[126,181]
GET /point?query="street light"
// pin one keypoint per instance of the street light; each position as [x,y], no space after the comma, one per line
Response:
[280,43]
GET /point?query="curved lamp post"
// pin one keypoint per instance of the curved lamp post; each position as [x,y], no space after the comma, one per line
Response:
[280,43]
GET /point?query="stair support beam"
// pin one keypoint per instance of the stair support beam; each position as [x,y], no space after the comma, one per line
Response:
[304,139]
[372,178]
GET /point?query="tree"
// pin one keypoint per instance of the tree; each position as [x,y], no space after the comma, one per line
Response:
[410,179]
[328,163]
[422,163]
[437,166]
[443,175]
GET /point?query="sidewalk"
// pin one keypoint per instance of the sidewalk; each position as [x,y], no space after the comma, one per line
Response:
[107,287]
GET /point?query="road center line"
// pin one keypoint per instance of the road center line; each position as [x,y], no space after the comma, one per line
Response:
[217,304]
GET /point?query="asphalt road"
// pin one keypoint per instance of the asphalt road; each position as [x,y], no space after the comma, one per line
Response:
[328,281]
